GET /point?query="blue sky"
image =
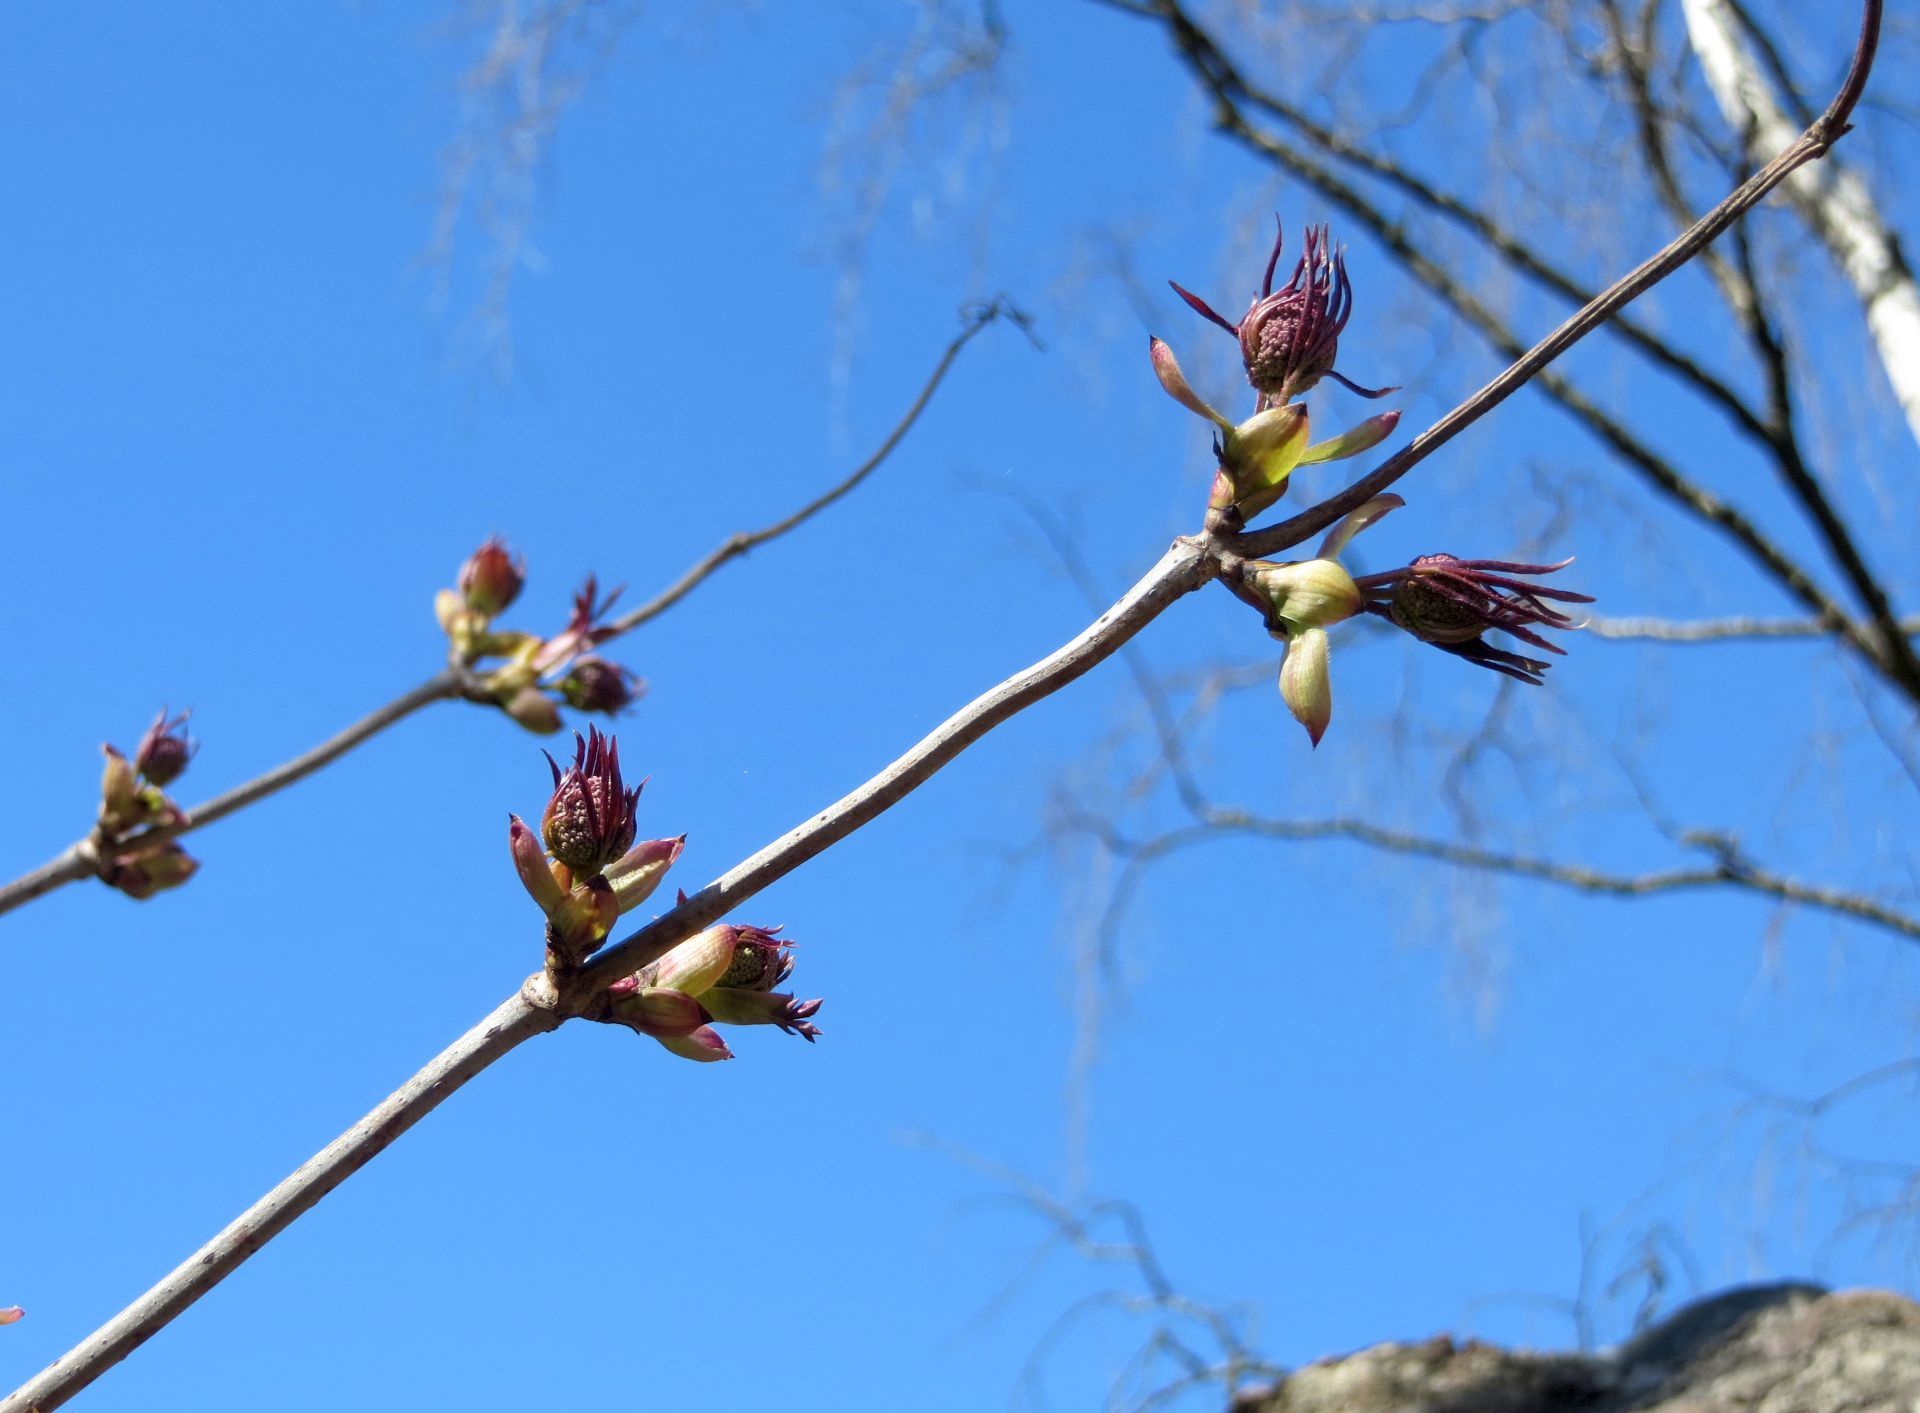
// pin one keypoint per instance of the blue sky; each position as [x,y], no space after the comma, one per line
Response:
[245,446]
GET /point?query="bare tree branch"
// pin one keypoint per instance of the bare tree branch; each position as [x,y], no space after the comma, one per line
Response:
[539,1006]
[512,1022]
[1728,870]
[1881,644]
[1717,630]
[81,859]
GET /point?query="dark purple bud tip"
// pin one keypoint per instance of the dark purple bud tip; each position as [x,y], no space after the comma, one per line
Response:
[594,684]
[1290,337]
[1450,602]
[589,821]
[165,750]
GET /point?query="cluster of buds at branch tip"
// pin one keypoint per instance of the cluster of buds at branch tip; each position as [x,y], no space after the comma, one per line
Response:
[1288,341]
[132,799]
[1451,603]
[590,871]
[1448,602]
[723,976]
[1300,601]
[1289,337]
[536,675]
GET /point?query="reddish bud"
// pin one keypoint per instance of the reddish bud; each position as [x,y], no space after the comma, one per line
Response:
[594,684]
[165,750]
[491,578]
[11,1314]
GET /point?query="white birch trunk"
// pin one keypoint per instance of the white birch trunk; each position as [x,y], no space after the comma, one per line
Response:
[1844,214]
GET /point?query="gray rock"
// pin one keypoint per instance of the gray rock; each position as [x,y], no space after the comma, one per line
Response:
[1764,1349]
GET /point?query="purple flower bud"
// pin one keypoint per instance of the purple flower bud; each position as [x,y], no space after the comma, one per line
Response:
[491,578]
[1451,602]
[165,750]
[589,820]
[1289,337]
[595,684]
[141,873]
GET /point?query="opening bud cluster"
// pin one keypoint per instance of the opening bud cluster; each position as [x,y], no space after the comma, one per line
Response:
[133,801]
[535,676]
[584,869]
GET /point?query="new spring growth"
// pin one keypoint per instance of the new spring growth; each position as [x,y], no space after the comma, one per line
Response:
[131,799]
[722,976]
[1448,602]
[1289,337]
[535,675]
[1288,342]
[1301,601]
[590,870]
[1451,603]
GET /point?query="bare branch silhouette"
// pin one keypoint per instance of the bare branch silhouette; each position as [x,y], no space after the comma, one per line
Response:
[81,859]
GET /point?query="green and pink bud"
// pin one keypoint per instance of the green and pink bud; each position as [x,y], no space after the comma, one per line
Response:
[530,862]
[729,973]
[141,873]
[658,1011]
[532,708]
[581,920]
[492,578]
[119,791]
[703,1046]
[1313,593]
[127,802]
[636,873]
[1306,684]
